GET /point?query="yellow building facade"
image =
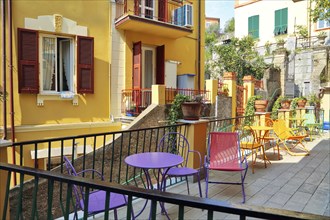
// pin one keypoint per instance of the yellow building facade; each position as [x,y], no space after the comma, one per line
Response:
[71,60]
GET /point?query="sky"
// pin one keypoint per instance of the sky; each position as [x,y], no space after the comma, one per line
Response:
[223,9]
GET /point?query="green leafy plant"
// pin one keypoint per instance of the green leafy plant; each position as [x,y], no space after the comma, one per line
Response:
[175,111]
[302,31]
[294,105]
[267,48]
[250,110]
[225,90]
[313,100]
[322,34]
[280,40]
[276,107]
[240,56]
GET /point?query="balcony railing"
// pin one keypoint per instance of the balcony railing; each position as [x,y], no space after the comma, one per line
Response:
[134,101]
[125,7]
[46,194]
[182,201]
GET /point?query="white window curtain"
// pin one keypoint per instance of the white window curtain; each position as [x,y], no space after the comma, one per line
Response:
[48,53]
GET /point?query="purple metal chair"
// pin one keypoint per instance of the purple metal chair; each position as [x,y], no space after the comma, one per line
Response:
[224,154]
[177,143]
[96,198]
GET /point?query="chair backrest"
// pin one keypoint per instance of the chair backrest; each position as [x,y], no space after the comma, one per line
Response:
[309,119]
[223,148]
[269,122]
[248,135]
[281,130]
[176,143]
[78,191]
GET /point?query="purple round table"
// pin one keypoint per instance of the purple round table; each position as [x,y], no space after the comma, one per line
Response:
[161,161]
[153,160]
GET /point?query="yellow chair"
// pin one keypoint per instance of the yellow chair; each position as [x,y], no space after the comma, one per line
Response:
[285,134]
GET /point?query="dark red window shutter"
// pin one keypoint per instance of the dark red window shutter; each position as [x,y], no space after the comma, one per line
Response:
[136,7]
[85,65]
[28,68]
[160,65]
[162,10]
[137,72]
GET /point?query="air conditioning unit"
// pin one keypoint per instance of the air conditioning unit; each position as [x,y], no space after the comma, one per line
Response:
[183,16]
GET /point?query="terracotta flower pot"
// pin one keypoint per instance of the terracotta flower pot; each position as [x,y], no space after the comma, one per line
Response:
[301,103]
[260,105]
[191,110]
[285,104]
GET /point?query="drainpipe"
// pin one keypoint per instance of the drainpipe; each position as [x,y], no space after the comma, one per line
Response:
[199,45]
[10,57]
[11,83]
[4,69]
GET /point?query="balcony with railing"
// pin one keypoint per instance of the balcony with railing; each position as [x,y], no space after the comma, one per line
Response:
[134,101]
[46,193]
[171,19]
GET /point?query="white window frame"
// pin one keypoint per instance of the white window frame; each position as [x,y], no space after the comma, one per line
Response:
[145,48]
[143,8]
[72,83]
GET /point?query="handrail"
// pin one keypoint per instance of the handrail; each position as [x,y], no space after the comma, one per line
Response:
[182,200]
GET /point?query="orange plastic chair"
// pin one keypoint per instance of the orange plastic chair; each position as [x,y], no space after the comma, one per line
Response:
[249,141]
[285,134]
[270,137]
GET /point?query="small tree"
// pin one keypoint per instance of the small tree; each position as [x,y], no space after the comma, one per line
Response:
[320,10]
[230,26]
[211,38]
[240,56]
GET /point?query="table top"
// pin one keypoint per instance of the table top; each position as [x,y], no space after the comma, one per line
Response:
[261,128]
[153,160]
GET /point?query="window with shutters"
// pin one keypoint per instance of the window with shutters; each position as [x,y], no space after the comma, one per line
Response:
[281,22]
[57,64]
[253,26]
[55,67]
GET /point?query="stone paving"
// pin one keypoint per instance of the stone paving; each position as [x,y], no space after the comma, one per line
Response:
[298,183]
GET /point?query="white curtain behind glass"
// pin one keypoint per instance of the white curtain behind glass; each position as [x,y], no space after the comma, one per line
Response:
[48,54]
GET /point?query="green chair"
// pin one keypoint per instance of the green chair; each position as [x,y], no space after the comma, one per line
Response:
[312,126]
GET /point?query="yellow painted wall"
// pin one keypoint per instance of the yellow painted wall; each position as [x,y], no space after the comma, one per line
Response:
[92,108]
[183,49]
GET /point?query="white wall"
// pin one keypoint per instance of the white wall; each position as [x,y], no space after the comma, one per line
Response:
[297,14]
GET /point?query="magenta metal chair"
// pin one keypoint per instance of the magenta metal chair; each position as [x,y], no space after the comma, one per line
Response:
[177,143]
[97,198]
[224,154]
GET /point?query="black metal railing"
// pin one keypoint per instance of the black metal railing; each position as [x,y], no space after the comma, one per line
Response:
[209,206]
[104,152]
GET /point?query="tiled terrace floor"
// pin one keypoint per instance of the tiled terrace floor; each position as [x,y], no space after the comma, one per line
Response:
[299,183]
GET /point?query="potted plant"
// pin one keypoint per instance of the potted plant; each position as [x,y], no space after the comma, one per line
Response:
[301,101]
[321,37]
[314,100]
[285,103]
[280,42]
[260,104]
[191,108]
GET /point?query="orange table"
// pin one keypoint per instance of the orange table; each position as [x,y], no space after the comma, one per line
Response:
[262,131]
